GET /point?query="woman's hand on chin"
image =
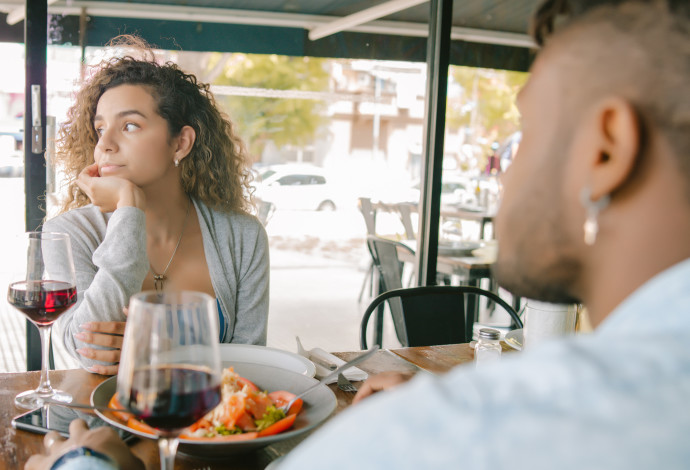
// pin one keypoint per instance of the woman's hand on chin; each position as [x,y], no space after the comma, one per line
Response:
[109,192]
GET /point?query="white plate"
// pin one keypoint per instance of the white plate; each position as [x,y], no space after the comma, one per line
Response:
[249,353]
[514,339]
[318,406]
[461,248]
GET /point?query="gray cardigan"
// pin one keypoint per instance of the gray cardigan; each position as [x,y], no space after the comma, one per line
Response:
[111,263]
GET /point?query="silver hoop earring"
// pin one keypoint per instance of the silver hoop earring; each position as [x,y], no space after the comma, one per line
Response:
[177,163]
[591,226]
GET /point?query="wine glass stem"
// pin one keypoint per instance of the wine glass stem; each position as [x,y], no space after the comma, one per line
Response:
[44,387]
[167,447]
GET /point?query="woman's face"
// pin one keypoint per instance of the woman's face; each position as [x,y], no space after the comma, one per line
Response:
[134,142]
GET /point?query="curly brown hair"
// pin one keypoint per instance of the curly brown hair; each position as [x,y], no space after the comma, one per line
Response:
[216,170]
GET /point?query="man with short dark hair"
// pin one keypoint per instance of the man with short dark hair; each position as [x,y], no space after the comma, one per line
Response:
[596,209]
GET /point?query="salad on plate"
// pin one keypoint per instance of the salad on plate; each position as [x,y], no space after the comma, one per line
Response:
[245,412]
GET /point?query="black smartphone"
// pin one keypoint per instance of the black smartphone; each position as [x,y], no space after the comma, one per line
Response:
[57,418]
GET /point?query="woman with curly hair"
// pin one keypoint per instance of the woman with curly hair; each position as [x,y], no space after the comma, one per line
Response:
[158,198]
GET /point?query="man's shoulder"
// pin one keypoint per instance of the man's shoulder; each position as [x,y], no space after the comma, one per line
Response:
[579,376]
[582,402]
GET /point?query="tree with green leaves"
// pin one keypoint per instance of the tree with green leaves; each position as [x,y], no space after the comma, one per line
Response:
[284,121]
[485,104]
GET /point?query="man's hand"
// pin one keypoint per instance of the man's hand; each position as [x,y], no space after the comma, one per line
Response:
[103,439]
[109,192]
[379,382]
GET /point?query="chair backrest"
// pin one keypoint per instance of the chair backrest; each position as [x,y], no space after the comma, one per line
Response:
[433,314]
[384,254]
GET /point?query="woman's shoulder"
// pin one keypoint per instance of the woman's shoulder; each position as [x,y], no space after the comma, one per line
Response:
[89,221]
[88,215]
[231,220]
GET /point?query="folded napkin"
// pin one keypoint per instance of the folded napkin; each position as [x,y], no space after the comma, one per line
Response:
[322,359]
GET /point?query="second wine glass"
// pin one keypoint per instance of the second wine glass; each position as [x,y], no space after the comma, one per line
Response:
[170,372]
[43,289]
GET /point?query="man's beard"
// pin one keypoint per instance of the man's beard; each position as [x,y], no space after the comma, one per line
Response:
[541,264]
[548,283]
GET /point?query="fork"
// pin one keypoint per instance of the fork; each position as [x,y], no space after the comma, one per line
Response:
[345,385]
[330,376]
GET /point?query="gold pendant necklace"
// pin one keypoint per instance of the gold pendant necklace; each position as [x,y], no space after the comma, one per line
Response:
[159,278]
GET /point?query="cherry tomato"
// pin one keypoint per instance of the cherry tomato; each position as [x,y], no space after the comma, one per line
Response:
[115,404]
[279,426]
[281,397]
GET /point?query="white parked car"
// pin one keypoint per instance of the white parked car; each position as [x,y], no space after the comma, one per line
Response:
[296,187]
[11,164]
[454,190]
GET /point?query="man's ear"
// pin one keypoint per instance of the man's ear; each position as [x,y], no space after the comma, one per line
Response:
[185,141]
[617,136]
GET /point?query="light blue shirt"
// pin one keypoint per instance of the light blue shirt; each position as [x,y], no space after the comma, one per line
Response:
[86,463]
[618,398]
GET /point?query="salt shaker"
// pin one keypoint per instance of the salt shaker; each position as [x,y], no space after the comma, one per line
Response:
[488,347]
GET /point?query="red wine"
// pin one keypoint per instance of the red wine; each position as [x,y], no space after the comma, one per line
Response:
[42,301]
[170,398]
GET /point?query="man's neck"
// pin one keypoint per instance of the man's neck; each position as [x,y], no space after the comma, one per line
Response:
[632,254]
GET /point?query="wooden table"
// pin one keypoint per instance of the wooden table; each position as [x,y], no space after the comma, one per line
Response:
[17,445]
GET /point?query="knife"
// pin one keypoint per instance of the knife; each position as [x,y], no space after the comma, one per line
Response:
[322,362]
[80,406]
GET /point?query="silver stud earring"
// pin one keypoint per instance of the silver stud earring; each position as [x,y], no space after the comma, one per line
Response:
[591,226]
[177,163]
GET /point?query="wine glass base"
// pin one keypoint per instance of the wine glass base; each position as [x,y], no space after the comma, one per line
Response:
[32,399]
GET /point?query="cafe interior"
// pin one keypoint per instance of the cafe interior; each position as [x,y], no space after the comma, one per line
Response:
[423,259]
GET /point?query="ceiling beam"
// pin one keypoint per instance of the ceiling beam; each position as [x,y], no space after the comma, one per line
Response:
[18,13]
[285,20]
[361,17]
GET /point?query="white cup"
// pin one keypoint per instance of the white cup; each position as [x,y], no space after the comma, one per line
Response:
[544,321]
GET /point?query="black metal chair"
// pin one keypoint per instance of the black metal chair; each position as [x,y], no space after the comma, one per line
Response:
[429,315]
[389,271]
[369,214]
[384,255]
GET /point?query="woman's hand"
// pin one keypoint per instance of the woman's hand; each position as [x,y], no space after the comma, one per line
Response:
[109,192]
[379,382]
[103,333]
[102,439]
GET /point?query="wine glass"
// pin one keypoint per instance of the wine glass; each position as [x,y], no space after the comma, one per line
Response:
[170,371]
[44,290]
